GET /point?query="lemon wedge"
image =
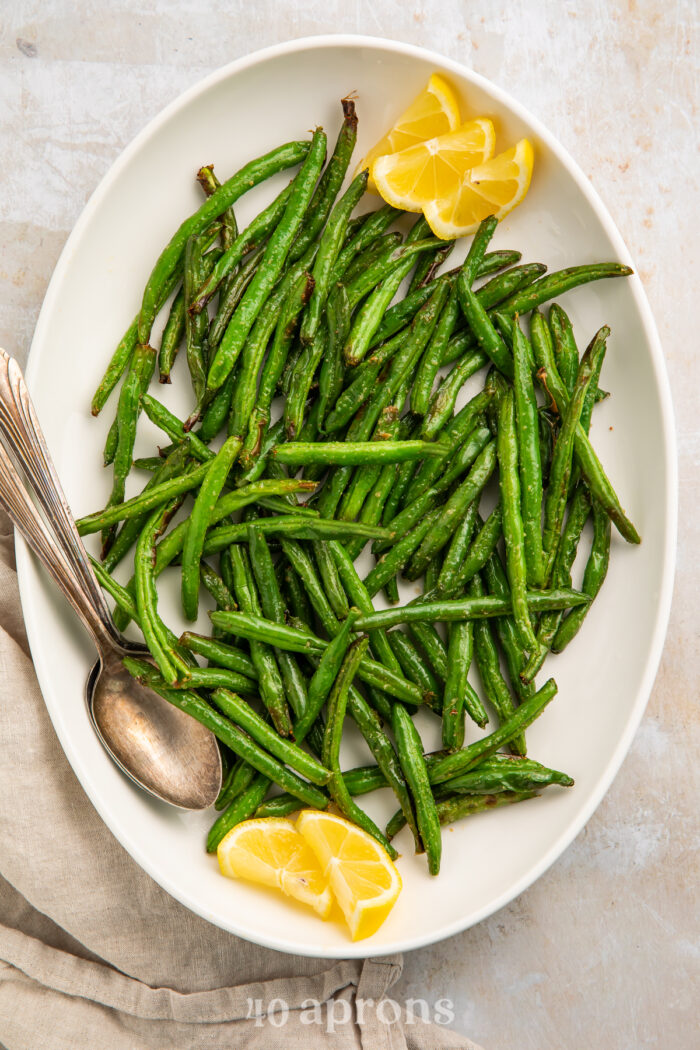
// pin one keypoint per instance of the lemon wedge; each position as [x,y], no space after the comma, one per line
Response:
[434,169]
[494,187]
[364,879]
[271,852]
[433,112]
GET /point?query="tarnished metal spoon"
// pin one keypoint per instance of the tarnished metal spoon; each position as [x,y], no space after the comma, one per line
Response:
[160,747]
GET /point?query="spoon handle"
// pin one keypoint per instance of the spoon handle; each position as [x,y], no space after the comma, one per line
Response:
[53,537]
[26,517]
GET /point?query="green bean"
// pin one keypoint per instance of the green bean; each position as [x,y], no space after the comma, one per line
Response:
[269,679]
[373,225]
[119,362]
[453,438]
[428,265]
[470,608]
[359,781]
[555,284]
[562,457]
[496,580]
[278,806]
[258,230]
[443,402]
[363,482]
[382,245]
[220,654]
[403,478]
[487,661]
[579,509]
[457,550]
[210,184]
[410,751]
[330,182]
[323,678]
[459,696]
[173,466]
[330,578]
[273,608]
[172,336]
[283,636]
[385,756]
[216,587]
[244,396]
[294,526]
[593,395]
[196,325]
[330,379]
[301,380]
[267,273]
[429,641]
[529,464]
[297,297]
[352,453]
[137,379]
[174,428]
[124,600]
[430,362]
[453,511]
[361,386]
[232,290]
[393,560]
[215,415]
[513,530]
[593,576]
[383,267]
[445,767]
[303,565]
[414,668]
[480,551]
[169,663]
[337,706]
[565,349]
[152,464]
[241,808]
[199,522]
[220,678]
[359,597]
[504,773]
[237,779]
[257,728]
[491,293]
[481,325]
[373,506]
[370,314]
[455,808]
[330,245]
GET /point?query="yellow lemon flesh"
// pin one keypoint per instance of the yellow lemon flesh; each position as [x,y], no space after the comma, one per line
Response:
[432,113]
[361,874]
[271,852]
[433,170]
[494,187]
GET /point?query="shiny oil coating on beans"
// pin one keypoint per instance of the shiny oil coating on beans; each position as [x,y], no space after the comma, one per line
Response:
[304,310]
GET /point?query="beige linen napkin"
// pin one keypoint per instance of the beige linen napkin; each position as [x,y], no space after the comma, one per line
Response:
[93,953]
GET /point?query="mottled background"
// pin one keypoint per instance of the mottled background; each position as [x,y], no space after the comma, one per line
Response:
[603,951]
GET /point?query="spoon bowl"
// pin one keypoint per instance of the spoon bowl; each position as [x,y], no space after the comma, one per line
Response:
[161,748]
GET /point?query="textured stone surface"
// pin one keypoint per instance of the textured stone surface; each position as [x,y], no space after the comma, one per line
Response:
[604,949]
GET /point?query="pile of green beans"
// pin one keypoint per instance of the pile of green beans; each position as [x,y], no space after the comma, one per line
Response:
[323,418]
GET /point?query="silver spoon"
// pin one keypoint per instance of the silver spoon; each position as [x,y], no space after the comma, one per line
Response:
[160,747]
